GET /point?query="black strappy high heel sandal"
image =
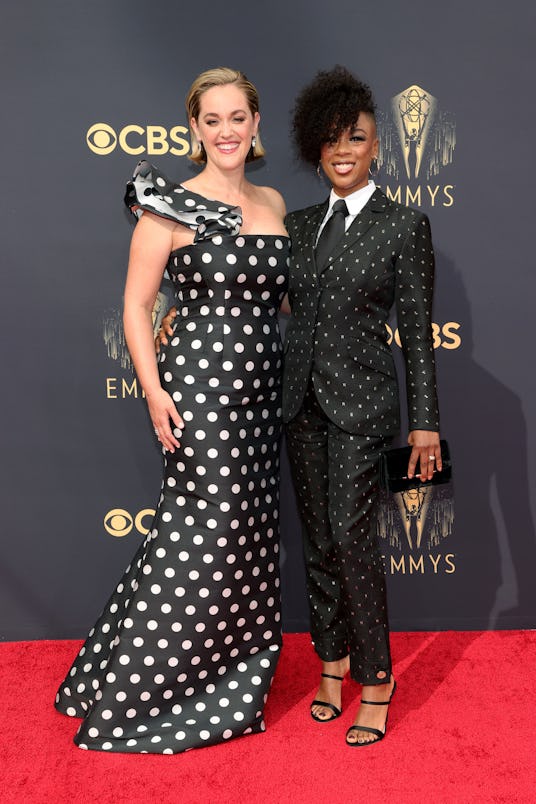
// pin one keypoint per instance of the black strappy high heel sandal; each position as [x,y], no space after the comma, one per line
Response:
[336,711]
[379,734]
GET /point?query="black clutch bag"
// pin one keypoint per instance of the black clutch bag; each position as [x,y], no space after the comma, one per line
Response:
[394,469]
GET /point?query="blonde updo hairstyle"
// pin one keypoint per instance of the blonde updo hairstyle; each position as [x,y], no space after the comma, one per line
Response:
[219,77]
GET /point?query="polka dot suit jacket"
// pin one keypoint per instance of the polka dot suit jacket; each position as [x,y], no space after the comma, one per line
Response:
[337,332]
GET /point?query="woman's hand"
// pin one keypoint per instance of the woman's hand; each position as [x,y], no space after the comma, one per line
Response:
[427,451]
[162,409]
[285,305]
[166,328]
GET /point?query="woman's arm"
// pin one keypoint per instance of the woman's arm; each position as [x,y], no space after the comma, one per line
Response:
[414,294]
[149,252]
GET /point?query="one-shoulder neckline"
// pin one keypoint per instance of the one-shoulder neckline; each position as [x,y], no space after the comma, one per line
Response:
[206,198]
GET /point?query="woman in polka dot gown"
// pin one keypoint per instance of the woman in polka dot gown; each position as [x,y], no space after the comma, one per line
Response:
[185,651]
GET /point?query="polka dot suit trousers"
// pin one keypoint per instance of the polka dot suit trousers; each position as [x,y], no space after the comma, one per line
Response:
[335,475]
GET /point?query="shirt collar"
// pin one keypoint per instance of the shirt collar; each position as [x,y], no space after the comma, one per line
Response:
[355,201]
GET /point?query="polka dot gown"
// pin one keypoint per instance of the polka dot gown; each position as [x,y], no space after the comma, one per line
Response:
[185,651]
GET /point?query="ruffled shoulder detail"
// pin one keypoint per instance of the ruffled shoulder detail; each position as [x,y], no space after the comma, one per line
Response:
[151,190]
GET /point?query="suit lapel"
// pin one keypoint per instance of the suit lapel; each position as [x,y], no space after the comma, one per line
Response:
[310,231]
[373,210]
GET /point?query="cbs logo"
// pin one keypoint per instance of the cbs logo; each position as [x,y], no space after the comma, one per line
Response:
[102,139]
[119,522]
[445,336]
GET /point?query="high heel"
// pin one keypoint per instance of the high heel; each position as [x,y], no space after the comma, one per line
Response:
[336,711]
[379,734]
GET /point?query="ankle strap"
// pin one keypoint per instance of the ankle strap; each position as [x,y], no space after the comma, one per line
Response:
[376,703]
[337,678]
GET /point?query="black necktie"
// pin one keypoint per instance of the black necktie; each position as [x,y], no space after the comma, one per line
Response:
[331,233]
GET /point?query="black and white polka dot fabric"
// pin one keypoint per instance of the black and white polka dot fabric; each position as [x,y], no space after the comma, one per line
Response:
[185,651]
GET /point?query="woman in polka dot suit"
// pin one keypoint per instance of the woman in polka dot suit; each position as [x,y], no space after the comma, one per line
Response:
[185,651]
[350,263]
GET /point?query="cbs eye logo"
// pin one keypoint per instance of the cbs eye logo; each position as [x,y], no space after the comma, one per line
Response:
[119,522]
[102,139]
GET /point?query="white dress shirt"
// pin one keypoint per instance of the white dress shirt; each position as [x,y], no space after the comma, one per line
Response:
[355,203]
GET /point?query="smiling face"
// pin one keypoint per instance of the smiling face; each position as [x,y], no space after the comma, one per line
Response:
[225,125]
[346,162]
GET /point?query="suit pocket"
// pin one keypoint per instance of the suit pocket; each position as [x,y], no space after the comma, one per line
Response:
[371,357]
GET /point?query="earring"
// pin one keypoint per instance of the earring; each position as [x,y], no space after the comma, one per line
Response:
[318,170]
[253,141]
[374,168]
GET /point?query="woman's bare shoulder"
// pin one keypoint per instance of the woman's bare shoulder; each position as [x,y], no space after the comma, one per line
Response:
[155,221]
[274,198]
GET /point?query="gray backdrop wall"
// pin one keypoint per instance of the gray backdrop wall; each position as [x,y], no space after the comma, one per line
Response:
[88,88]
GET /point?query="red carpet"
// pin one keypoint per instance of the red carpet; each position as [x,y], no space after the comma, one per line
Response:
[461,729]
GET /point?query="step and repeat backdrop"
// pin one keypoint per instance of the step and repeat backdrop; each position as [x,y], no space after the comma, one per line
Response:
[88,89]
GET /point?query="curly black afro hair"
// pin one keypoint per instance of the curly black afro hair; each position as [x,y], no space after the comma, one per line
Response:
[325,108]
